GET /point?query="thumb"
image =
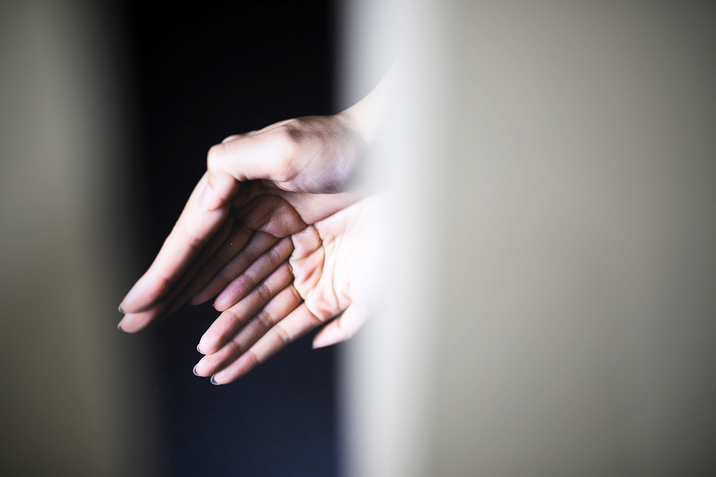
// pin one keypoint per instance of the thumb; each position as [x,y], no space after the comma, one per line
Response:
[265,155]
[341,328]
[221,186]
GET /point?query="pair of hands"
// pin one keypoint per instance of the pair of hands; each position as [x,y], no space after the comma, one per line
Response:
[269,234]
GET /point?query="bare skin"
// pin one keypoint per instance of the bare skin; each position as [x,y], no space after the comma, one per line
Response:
[318,147]
[270,232]
[330,270]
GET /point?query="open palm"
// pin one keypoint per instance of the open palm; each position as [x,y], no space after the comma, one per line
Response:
[330,269]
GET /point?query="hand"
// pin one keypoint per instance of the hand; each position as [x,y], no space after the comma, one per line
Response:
[333,267]
[251,225]
[306,155]
[302,153]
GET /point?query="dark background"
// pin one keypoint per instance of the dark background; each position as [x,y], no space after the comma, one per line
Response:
[200,74]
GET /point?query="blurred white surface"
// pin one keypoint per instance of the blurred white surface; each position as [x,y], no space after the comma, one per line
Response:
[557,314]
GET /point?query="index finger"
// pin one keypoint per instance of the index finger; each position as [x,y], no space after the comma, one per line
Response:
[266,154]
[190,233]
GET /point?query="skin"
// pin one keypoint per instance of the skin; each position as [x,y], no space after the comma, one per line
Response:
[271,233]
[329,271]
[197,241]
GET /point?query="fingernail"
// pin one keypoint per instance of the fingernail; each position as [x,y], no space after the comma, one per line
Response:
[119,325]
[119,309]
[206,197]
[213,381]
[194,371]
[199,350]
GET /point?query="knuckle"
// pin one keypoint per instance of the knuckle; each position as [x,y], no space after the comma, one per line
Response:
[263,291]
[215,154]
[264,318]
[252,359]
[233,319]
[282,335]
[231,138]
[274,256]
[191,238]
[236,348]
[246,282]
[289,144]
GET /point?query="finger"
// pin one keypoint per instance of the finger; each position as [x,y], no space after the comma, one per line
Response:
[271,214]
[232,138]
[229,249]
[342,328]
[247,192]
[277,309]
[229,322]
[177,296]
[267,214]
[244,283]
[315,207]
[257,244]
[133,322]
[296,324]
[191,232]
[189,282]
[266,155]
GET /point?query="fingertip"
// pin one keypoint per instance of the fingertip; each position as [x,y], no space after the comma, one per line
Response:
[134,322]
[142,296]
[205,347]
[220,305]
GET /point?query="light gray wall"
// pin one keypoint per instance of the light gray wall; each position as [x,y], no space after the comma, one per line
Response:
[564,321]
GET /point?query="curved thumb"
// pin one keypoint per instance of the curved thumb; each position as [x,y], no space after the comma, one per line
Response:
[341,328]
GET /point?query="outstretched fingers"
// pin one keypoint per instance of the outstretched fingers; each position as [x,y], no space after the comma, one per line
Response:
[255,247]
[181,290]
[276,310]
[192,231]
[260,268]
[231,246]
[296,324]
[271,218]
[229,322]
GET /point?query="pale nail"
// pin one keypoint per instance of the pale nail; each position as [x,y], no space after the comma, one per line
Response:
[213,381]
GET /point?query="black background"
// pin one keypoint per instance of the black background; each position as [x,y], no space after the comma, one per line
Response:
[200,74]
